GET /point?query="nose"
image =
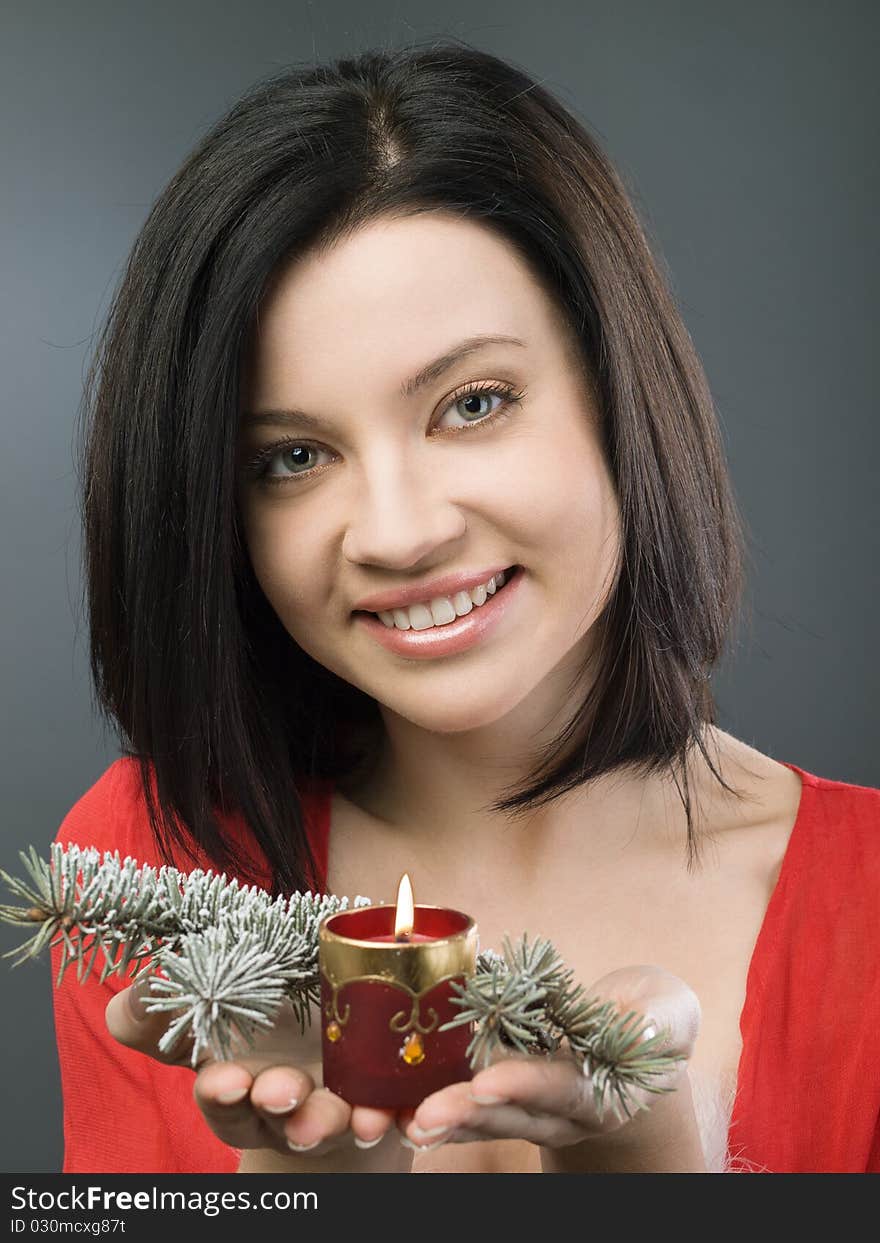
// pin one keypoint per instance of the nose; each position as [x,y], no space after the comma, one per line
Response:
[400,517]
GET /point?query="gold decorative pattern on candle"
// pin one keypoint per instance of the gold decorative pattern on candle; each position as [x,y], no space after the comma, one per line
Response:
[400,1022]
[331,1011]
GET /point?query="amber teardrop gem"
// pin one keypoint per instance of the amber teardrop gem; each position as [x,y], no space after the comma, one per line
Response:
[413,1050]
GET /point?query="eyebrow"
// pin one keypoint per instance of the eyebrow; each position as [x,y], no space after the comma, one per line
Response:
[425,376]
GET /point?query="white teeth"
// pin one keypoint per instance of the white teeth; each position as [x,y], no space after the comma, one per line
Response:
[442,609]
[420,617]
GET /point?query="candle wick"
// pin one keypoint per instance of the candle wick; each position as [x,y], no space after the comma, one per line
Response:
[402,936]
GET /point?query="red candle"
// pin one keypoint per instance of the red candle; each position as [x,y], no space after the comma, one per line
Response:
[385,993]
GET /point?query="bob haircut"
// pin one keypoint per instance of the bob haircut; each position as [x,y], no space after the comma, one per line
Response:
[223,710]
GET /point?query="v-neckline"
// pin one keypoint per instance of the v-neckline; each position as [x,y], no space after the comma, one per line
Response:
[765,940]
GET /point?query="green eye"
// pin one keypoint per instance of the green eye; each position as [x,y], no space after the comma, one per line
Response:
[296,456]
[477,394]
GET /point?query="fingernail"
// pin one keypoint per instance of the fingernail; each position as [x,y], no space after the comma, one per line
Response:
[368,1143]
[487,1100]
[282,1109]
[650,1032]
[302,1147]
[407,1143]
[232,1097]
[432,1134]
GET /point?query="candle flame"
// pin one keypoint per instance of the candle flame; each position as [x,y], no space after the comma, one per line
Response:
[403,919]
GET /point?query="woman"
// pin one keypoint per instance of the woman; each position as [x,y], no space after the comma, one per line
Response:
[411,547]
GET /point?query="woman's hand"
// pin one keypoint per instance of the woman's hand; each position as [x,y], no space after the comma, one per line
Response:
[549,1100]
[268,1098]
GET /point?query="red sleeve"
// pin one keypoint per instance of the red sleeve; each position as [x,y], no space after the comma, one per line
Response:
[123,1111]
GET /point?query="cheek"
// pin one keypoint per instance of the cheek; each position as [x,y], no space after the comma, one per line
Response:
[590,519]
[566,509]
[287,568]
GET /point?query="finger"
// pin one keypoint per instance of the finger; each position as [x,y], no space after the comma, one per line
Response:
[129,1023]
[319,1124]
[556,1086]
[278,1090]
[226,1107]
[247,1111]
[539,1129]
[454,1115]
[369,1125]
[485,1122]
[562,1088]
[446,1110]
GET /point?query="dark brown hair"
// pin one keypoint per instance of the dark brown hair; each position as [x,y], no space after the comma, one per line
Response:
[221,707]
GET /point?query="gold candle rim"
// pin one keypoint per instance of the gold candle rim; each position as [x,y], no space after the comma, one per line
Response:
[329,934]
[415,966]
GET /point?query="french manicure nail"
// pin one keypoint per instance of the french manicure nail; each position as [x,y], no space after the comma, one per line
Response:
[282,1109]
[407,1143]
[368,1143]
[232,1098]
[432,1134]
[487,1100]
[302,1147]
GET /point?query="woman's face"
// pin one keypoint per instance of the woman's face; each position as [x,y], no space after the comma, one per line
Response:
[355,484]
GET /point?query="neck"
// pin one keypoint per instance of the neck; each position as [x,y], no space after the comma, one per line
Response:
[440,787]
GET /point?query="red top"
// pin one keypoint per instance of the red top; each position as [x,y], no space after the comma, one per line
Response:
[808,1089]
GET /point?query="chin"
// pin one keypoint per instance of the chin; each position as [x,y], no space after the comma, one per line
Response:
[456,717]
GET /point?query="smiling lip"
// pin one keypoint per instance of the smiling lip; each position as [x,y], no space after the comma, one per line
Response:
[422,593]
[447,640]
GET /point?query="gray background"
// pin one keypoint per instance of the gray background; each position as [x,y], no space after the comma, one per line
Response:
[746,132]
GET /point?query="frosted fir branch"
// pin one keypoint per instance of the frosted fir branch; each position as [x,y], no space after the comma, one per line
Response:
[224,987]
[90,903]
[527,1000]
[85,897]
[223,958]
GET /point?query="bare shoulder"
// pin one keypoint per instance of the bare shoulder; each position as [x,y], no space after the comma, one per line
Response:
[767,794]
